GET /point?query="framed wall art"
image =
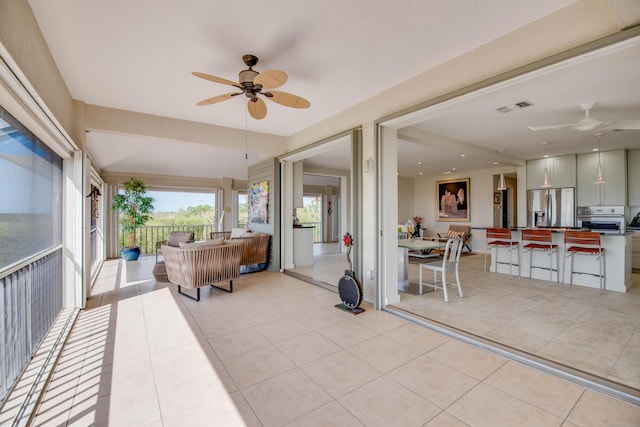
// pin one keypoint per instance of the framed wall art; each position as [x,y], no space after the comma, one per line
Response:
[259,203]
[453,200]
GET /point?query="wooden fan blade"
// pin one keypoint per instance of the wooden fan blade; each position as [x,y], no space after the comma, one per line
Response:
[289,99]
[217,99]
[257,109]
[271,79]
[215,79]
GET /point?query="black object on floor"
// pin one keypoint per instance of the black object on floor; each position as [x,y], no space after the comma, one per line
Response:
[356,310]
[350,290]
[349,287]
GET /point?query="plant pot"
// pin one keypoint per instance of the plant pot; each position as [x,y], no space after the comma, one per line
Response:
[130,254]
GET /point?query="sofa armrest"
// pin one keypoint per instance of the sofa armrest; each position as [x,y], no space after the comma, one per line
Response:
[159,244]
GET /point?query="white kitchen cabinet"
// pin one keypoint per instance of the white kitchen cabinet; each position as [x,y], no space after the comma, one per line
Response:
[635,252]
[633,177]
[302,246]
[561,171]
[535,170]
[614,168]
[298,184]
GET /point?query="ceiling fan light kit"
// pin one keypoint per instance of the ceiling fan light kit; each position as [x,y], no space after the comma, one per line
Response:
[251,83]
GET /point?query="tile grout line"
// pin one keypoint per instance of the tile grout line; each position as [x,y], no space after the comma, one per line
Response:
[544,367]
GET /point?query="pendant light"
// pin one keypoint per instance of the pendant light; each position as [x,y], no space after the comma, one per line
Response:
[502,185]
[546,182]
[599,179]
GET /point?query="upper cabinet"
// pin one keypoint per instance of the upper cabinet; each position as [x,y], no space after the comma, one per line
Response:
[614,169]
[561,172]
[298,184]
[633,177]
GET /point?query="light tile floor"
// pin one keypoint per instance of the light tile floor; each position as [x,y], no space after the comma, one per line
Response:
[276,352]
[571,325]
[574,326]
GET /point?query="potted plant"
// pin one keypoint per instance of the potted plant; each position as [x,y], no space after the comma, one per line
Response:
[134,207]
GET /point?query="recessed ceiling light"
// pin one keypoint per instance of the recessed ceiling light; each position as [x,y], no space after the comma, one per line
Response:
[419,173]
[419,163]
[445,172]
[595,149]
[463,155]
[453,169]
[545,156]
[495,163]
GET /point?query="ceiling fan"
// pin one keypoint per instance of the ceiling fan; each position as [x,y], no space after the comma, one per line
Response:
[251,84]
[588,123]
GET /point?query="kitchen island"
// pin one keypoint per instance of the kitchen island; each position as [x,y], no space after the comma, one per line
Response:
[302,245]
[617,269]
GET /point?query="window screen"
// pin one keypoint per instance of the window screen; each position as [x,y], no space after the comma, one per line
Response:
[30,194]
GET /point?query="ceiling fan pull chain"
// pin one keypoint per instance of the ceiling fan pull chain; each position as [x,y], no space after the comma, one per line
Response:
[246,154]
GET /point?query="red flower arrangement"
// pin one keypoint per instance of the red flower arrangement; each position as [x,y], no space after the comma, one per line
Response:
[348,240]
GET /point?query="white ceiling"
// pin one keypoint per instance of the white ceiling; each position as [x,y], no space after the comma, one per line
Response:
[472,125]
[138,56]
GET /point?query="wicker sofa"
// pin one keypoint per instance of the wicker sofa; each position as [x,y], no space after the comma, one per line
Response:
[194,265]
[255,247]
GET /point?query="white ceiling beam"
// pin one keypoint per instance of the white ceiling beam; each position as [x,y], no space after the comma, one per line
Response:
[439,142]
[111,120]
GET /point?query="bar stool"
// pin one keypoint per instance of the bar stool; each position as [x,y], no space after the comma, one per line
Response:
[541,240]
[501,238]
[584,243]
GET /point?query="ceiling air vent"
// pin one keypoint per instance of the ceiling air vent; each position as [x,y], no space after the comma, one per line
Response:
[514,107]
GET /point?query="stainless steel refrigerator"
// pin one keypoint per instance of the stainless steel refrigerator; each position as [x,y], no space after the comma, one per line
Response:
[552,207]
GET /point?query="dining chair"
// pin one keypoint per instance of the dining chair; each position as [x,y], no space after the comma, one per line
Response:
[501,238]
[450,262]
[540,240]
[584,243]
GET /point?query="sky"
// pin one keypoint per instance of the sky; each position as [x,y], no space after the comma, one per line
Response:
[170,201]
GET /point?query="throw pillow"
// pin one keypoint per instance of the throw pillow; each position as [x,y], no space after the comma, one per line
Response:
[213,242]
[205,244]
[453,234]
[237,232]
[176,237]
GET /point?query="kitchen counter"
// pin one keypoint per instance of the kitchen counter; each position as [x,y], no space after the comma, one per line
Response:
[618,261]
[628,232]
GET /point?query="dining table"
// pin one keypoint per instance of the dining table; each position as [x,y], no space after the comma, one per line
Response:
[421,248]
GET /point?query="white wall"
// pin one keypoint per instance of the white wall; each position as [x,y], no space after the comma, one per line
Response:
[406,199]
[481,189]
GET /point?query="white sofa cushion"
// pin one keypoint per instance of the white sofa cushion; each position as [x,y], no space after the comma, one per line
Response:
[206,243]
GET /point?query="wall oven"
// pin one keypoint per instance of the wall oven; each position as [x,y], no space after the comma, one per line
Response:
[603,219]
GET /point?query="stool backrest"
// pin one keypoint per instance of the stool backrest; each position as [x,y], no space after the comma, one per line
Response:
[585,238]
[499,233]
[537,235]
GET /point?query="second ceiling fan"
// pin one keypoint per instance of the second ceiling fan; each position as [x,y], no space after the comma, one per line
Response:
[253,84]
[588,123]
